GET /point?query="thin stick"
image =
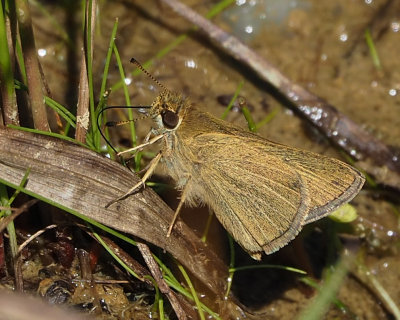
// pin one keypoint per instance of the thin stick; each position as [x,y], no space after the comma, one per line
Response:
[39,113]
[141,272]
[34,236]
[158,277]
[17,211]
[83,113]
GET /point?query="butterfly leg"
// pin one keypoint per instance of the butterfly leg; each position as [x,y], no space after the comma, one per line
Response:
[178,209]
[147,137]
[151,141]
[149,172]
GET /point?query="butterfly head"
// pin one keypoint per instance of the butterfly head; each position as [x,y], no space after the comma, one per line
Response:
[168,110]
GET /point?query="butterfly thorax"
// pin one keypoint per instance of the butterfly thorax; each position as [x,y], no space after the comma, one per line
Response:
[168,112]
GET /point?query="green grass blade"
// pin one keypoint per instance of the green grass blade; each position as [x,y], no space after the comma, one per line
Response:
[268,118]
[332,282]
[250,121]
[46,133]
[89,63]
[372,49]
[126,94]
[230,105]
[7,77]
[108,60]
[268,266]
[193,291]
[115,257]
[4,201]
[61,110]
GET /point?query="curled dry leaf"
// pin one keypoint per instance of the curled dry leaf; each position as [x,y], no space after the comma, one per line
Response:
[80,180]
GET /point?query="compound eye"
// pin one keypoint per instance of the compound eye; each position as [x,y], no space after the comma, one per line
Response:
[170,119]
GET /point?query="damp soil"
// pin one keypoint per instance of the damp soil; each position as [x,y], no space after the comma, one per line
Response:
[319,45]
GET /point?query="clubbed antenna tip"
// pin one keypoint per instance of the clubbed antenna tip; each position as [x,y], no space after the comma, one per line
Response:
[137,63]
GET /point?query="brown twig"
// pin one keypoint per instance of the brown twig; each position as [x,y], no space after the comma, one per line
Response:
[367,278]
[84,264]
[19,280]
[34,236]
[32,66]
[101,281]
[86,274]
[83,113]
[162,285]
[141,271]
[341,130]
[17,211]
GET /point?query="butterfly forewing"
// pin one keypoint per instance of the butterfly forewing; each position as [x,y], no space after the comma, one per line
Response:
[262,192]
[261,203]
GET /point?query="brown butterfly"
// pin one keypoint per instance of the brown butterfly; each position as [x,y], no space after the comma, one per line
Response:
[262,192]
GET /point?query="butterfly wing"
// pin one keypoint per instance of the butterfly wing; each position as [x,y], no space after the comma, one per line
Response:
[330,182]
[259,199]
[263,192]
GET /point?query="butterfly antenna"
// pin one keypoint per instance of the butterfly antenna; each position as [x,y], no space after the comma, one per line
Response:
[137,63]
[109,124]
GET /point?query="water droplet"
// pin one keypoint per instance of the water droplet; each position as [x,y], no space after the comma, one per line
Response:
[248,29]
[343,37]
[293,96]
[190,64]
[305,109]
[342,142]
[42,52]
[395,26]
